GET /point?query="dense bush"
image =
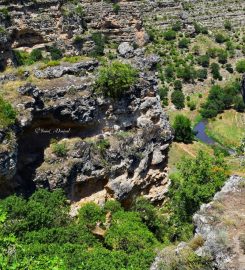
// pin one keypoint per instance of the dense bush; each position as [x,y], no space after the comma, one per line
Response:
[199,29]
[202,74]
[203,60]
[215,70]
[115,79]
[240,66]
[99,41]
[178,85]
[220,99]
[177,26]
[184,43]
[7,113]
[59,148]
[178,99]
[42,235]
[187,73]
[116,7]
[195,183]
[55,53]
[169,35]
[220,38]
[182,129]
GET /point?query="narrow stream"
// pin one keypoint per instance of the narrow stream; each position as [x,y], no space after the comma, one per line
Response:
[200,130]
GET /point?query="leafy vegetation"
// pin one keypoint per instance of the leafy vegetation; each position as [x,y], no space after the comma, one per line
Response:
[196,181]
[115,79]
[42,235]
[183,131]
[220,99]
[7,113]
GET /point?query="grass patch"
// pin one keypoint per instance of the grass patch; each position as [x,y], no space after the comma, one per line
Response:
[227,128]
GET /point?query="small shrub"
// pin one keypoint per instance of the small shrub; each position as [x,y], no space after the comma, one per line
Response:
[215,70]
[239,104]
[99,41]
[227,25]
[169,35]
[177,26]
[178,85]
[203,60]
[178,99]
[55,53]
[220,38]
[184,43]
[36,55]
[202,74]
[222,56]
[115,79]
[7,113]
[229,68]
[116,7]
[182,129]
[240,66]
[191,105]
[59,148]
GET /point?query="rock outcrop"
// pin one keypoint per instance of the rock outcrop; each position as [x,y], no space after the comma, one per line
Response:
[221,224]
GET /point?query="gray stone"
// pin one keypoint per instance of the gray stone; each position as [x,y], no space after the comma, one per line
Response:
[126,50]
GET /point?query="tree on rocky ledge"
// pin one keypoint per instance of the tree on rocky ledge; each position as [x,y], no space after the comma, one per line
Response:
[115,79]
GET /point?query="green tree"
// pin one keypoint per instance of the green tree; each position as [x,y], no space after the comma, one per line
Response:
[240,66]
[169,35]
[182,129]
[178,99]
[115,79]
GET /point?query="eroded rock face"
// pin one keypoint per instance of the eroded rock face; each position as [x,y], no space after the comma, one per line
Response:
[221,223]
[8,161]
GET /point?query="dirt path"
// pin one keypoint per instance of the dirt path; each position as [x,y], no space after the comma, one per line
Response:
[185,148]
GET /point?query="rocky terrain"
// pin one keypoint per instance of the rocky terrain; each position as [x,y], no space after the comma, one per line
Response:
[135,132]
[221,223]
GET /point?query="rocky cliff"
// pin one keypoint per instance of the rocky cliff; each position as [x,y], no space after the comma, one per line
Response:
[41,24]
[113,148]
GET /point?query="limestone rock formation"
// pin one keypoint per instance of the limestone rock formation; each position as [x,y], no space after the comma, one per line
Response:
[221,223]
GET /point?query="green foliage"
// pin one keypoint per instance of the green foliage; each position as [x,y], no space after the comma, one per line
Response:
[99,41]
[222,56]
[240,66]
[227,25]
[163,93]
[128,233]
[229,68]
[215,70]
[187,73]
[169,35]
[202,74]
[184,43]
[203,60]
[239,104]
[115,79]
[90,214]
[178,99]
[177,26]
[36,55]
[182,129]
[178,85]
[7,113]
[199,29]
[116,7]
[220,99]
[55,53]
[195,183]
[59,148]
[220,38]
[41,235]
